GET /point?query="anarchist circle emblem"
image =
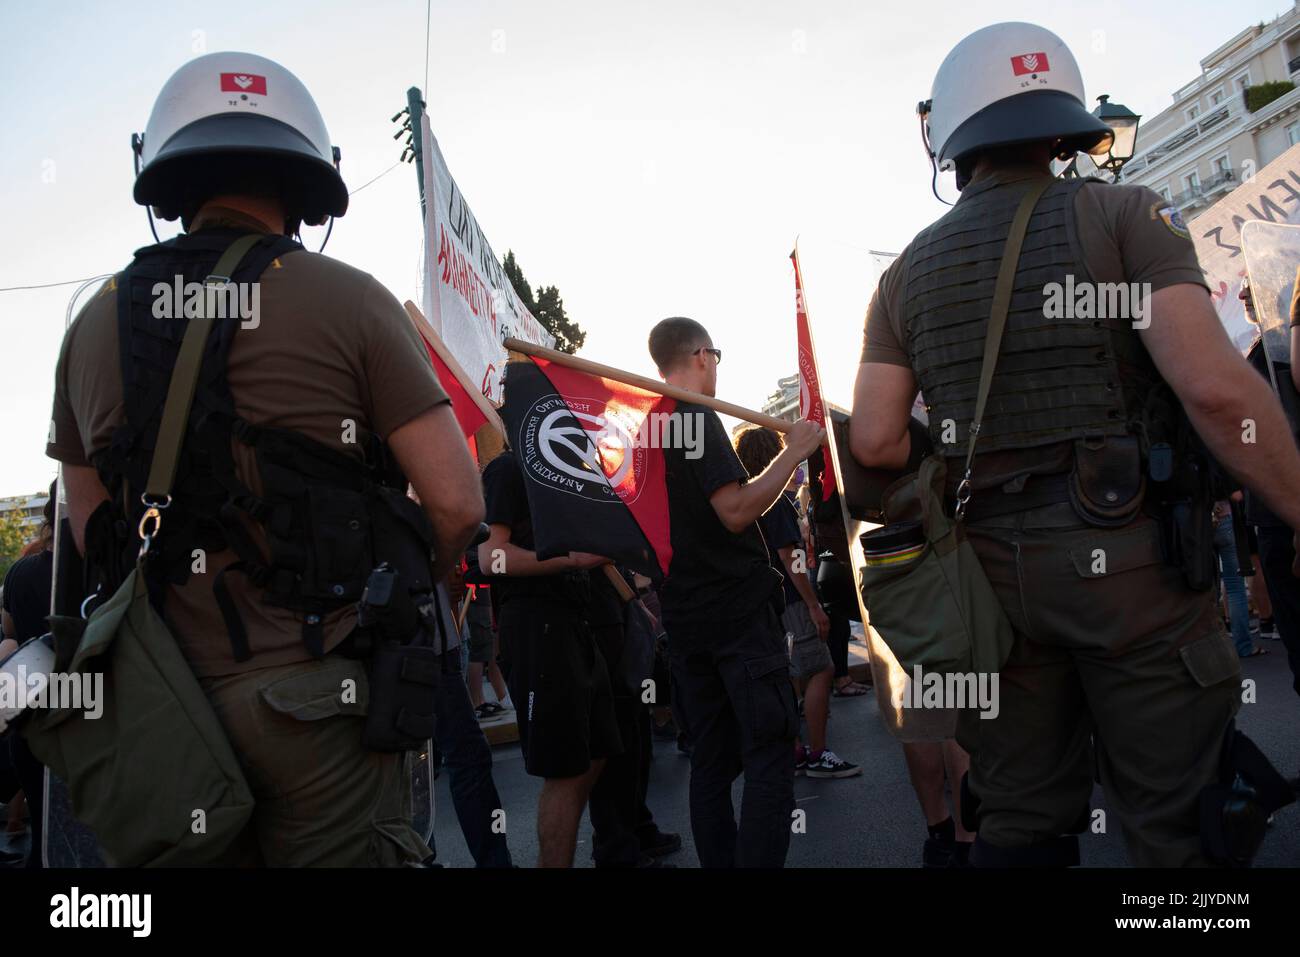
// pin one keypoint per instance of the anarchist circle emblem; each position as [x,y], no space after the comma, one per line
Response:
[581,447]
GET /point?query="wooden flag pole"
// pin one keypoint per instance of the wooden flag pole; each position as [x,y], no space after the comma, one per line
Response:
[620,584]
[650,385]
[438,346]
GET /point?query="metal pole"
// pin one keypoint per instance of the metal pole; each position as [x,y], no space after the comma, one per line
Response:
[415,108]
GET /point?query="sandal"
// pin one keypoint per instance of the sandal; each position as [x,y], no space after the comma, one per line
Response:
[1258,652]
[850,689]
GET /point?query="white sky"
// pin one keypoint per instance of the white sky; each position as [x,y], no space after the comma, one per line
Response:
[648,158]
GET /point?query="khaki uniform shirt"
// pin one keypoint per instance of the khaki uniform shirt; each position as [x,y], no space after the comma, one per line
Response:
[332,347]
[1128,234]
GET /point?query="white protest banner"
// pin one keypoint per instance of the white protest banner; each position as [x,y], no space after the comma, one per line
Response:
[1272,194]
[468,299]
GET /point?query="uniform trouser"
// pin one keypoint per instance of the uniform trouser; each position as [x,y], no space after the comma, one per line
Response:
[733,695]
[322,800]
[1112,652]
[613,803]
[1276,553]
[468,761]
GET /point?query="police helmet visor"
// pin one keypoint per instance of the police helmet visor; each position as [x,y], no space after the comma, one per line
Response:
[240,135]
[1030,118]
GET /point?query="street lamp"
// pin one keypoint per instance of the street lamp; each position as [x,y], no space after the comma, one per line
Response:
[1125,124]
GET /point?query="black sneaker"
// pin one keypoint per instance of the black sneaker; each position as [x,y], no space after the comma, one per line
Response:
[829,765]
[660,843]
[942,854]
[937,853]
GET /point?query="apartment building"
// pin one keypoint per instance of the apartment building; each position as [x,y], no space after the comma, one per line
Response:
[28,509]
[1240,113]
[784,402]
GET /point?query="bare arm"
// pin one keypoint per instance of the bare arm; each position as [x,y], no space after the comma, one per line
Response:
[1223,395]
[433,455]
[499,552]
[882,404]
[804,587]
[739,506]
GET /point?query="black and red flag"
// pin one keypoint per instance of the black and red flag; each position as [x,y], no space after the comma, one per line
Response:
[591,452]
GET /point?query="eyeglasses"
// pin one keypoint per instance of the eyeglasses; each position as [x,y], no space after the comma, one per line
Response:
[716,353]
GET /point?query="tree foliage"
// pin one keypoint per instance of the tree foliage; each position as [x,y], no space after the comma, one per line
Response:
[14,536]
[1262,94]
[547,307]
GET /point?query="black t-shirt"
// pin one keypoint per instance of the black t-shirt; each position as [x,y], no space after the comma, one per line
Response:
[27,594]
[507,504]
[780,526]
[714,575]
[606,605]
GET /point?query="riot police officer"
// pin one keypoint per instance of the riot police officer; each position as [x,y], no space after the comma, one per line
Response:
[1087,511]
[314,403]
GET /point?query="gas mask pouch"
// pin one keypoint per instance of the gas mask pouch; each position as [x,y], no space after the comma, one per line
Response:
[405,663]
[1107,484]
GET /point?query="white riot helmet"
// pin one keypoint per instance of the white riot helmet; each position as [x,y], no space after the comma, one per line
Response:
[1010,83]
[237,110]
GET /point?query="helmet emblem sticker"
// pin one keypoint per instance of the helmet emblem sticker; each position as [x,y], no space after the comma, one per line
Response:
[243,83]
[1030,63]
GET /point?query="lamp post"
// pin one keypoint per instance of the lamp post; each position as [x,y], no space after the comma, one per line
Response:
[1125,124]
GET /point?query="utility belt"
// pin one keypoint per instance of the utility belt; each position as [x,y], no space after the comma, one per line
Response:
[1038,491]
[1105,483]
[1109,485]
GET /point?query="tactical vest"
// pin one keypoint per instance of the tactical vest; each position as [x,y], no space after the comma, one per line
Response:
[328,518]
[1083,379]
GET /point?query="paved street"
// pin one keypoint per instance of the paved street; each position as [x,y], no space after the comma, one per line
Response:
[873,820]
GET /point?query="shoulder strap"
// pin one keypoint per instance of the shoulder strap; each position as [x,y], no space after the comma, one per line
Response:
[180,392]
[997,324]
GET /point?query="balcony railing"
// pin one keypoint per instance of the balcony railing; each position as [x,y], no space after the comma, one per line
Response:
[1189,196]
[1202,126]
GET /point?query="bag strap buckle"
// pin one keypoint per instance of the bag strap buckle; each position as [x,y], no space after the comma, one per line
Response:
[151,521]
[963,495]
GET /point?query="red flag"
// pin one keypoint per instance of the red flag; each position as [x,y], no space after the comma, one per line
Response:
[243,83]
[811,404]
[468,415]
[1030,63]
[591,450]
